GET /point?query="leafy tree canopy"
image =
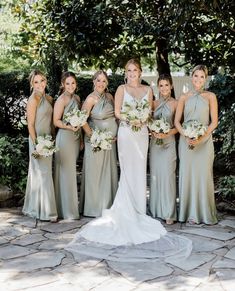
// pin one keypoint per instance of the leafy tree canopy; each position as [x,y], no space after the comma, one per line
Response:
[99,32]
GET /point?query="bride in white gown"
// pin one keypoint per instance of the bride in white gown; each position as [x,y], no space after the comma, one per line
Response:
[124,232]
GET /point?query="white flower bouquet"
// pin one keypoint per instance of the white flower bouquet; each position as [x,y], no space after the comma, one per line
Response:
[193,129]
[44,146]
[101,140]
[159,126]
[76,117]
[136,112]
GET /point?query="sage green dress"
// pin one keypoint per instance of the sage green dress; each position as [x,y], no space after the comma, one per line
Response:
[100,177]
[196,187]
[162,200]
[40,196]
[65,176]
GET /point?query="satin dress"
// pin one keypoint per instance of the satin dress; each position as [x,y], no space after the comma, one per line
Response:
[100,175]
[124,232]
[196,187]
[40,196]
[65,175]
[162,200]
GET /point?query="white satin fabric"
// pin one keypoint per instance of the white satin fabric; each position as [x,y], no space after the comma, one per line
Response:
[125,232]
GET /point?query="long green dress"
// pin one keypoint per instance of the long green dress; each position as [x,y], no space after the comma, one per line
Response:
[196,187]
[40,196]
[100,178]
[162,169]
[65,177]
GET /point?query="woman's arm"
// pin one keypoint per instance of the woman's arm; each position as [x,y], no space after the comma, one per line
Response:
[58,113]
[213,113]
[31,116]
[173,130]
[118,101]
[179,114]
[213,104]
[88,105]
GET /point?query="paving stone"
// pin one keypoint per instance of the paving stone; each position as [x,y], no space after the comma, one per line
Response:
[53,244]
[202,244]
[227,222]
[176,283]
[226,278]
[114,285]
[141,271]
[192,262]
[13,231]
[224,263]
[231,254]
[11,251]
[86,261]
[28,239]
[62,226]
[53,286]
[210,286]
[60,236]
[35,261]
[50,267]
[23,220]
[85,278]
[222,235]
[22,281]
[3,240]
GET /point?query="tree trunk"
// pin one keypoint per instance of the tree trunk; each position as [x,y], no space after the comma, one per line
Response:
[163,66]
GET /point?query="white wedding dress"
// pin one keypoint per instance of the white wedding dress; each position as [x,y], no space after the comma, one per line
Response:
[125,232]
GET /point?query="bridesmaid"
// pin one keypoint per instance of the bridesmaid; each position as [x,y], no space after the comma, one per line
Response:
[39,200]
[196,188]
[68,142]
[163,157]
[100,178]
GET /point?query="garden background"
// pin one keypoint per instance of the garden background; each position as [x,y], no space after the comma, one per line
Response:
[168,36]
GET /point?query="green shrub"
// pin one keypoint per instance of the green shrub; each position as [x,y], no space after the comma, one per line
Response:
[224,135]
[14,89]
[227,187]
[14,162]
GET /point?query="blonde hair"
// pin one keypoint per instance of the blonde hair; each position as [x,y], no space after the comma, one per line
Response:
[200,68]
[33,74]
[134,62]
[100,72]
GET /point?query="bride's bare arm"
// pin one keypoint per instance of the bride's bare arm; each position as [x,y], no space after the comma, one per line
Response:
[118,101]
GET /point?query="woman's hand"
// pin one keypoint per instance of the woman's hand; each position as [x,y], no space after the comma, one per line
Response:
[194,142]
[161,135]
[72,128]
[135,123]
[35,154]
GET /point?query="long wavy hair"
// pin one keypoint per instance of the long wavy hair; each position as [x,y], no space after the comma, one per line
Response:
[64,76]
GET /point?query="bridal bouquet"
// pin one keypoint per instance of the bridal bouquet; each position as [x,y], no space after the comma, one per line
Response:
[159,126]
[101,140]
[76,117]
[193,129]
[44,146]
[136,111]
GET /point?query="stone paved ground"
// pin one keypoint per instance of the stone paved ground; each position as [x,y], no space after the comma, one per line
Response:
[34,259]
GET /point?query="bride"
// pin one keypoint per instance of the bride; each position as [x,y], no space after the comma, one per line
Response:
[124,232]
